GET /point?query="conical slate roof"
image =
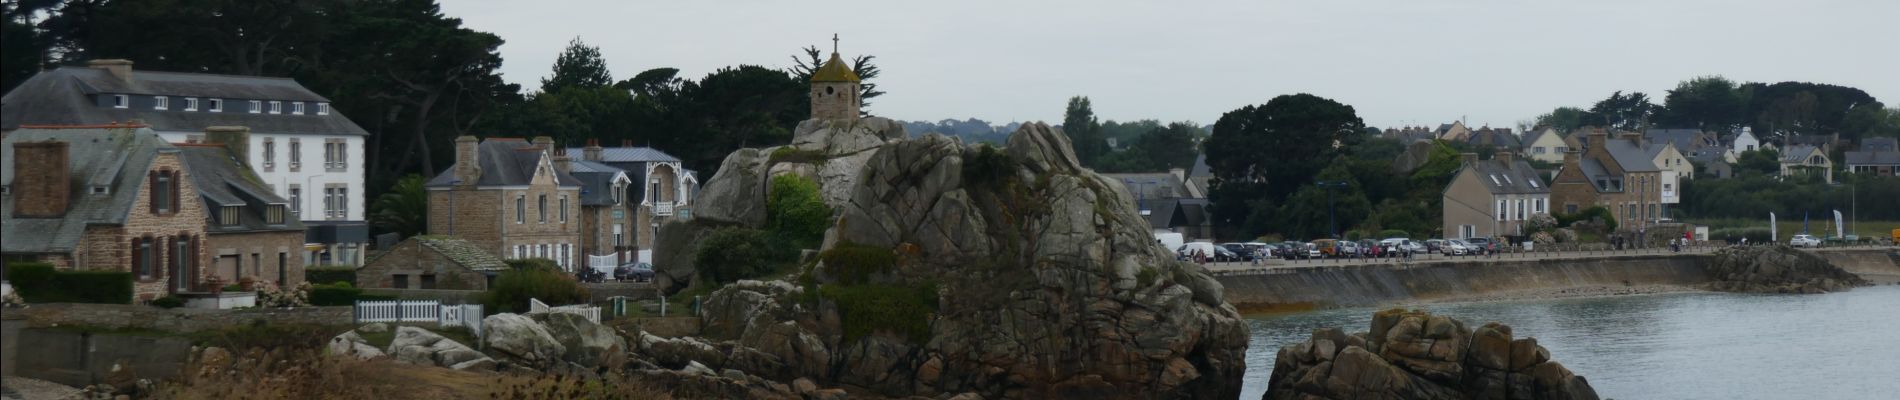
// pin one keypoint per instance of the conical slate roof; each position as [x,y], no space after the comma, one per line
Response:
[834,70]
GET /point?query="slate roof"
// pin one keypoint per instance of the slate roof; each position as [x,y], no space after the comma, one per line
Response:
[1879,144]
[1684,139]
[1494,137]
[1630,156]
[1797,154]
[1873,157]
[628,154]
[116,158]
[504,162]
[65,96]
[1516,177]
[1200,167]
[597,181]
[1533,135]
[463,253]
[1151,186]
[221,181]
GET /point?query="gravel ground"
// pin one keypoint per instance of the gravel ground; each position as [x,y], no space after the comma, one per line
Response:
[14,387]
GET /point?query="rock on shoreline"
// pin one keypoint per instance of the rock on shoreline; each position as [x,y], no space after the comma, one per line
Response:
[1417,355]
[1777,269]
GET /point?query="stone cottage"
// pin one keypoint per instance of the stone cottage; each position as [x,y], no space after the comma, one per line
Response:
[432,262]
[511,197]
[1617,174]
[103,197]
[1493,198]
[250,232]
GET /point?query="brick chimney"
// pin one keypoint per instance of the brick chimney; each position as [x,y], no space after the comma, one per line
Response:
[41,179]
[1504,156]
[592,151]
[120,68]
[1634,137]
[468,167]
[236,138]
[543,142]
[1596,140]
[562,162]
[1468,158]
[1572,158]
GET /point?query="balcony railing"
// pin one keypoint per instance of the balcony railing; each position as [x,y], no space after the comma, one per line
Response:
[664,208]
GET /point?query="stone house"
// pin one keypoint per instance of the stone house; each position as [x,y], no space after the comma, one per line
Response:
[1616,174]
[1806,160]
[292,129]
[1876,157]
[511,197]
[432,262]
[660,189]
[103,197]
[249,231]
[607,218]
[1493,198]
[1545,145]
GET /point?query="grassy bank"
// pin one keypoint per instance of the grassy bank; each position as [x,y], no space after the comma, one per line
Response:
[1791,225]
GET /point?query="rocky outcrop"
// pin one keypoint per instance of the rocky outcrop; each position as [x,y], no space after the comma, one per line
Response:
[829,152]
[1040,279]
[518,339]
[351,344]
[419,346]
[1777,269]
[587,344]
[1417,355]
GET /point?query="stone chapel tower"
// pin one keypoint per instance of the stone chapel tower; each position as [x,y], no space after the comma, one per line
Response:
[834,89]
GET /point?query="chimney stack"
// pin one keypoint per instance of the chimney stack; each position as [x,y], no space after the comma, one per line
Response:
[562,162]
[1504,156]
[120,68]
[1178,174]
[236,138]
[41,179]
[1634,137]
[626,142]
[592,151]
[1572,158]
[468,168]
[1468,158]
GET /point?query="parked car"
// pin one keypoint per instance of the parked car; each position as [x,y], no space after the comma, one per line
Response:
[638,272]
[1480,245]
[1292,250]
[1349,249]
[1213,253]
[1241,251]
[1432,245]
[1804,241]
[1261,250]
[1455,247]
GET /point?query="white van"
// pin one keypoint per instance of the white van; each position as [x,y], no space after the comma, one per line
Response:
[1170,240]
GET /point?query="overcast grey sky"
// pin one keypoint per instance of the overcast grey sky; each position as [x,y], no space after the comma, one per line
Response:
[1397,61]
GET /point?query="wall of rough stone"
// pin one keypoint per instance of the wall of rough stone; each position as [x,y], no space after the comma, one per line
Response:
[188,220]
[444,296]
[260,253]
[413,260]
[177,320]
[477,215]
[75,359]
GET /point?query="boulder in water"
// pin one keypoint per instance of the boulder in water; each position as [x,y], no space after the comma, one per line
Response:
[1417,355]
[1777,269]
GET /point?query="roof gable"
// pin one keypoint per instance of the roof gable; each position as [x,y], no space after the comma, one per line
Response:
[114,158]
[66,96]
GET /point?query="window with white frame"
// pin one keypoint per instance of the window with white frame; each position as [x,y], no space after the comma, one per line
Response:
[564,208]
[161,102]
[296,199]
[276,107]
[323,108]
[121,101]
[620,239]
[1501,211]
[216,105]
[521,208]
[270,153]
[257,106]
[541,206]
[296,108]
[296,154]
[191,104]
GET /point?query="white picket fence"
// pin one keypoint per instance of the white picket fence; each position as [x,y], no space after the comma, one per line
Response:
[591,312]
[469,315]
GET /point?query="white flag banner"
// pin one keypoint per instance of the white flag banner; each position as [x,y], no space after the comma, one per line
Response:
[1837,225]
[1774,234]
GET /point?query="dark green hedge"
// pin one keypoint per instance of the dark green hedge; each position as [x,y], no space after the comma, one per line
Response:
[334,295]
[328,275]
[41,283]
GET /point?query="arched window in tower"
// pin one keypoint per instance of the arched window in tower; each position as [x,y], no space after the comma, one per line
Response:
[830,90]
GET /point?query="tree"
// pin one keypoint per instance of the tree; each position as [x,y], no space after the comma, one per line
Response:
[1709,103]
[1162,148]
[796,216]
[1781,108]
[860,65]
[1763,162]
[1269,151]
[1083,130]
[1629,112]
[579,66]
[1564,119]
[21,46]
[404,209]
[1312,211]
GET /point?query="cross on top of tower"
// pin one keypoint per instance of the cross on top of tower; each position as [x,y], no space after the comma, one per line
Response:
[834,42]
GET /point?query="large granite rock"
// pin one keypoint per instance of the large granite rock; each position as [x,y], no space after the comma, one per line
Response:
[419,346]
[1417,355]
[351,344]
[588,344]
[518,339]
[1048,284]
[1777,269]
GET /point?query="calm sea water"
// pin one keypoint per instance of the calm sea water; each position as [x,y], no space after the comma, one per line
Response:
[1675,346]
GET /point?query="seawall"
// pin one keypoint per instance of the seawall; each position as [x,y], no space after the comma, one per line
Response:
[1317,287]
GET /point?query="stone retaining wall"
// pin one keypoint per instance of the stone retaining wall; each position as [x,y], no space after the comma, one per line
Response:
[600,292]
[177,320]
[443,295]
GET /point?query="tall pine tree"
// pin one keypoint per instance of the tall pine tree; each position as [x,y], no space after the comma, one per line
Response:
[580,66]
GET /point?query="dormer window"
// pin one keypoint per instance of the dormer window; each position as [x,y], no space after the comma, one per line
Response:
[191,104]
[276,107]
[296,108]
[121,101]
[228,215]
[161,103]
[323,108]
[274,215]
[217,105]
[257,106]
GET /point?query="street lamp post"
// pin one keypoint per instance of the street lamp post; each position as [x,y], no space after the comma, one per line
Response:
[1332,222]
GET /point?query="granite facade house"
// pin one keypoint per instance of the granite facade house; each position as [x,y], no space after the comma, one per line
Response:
[607,218]
[103,197]
[301,147]
[1616,174]
[249,231]
[661,189]
[1876,157]
[432,262]
[509,196]
[1493,198]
